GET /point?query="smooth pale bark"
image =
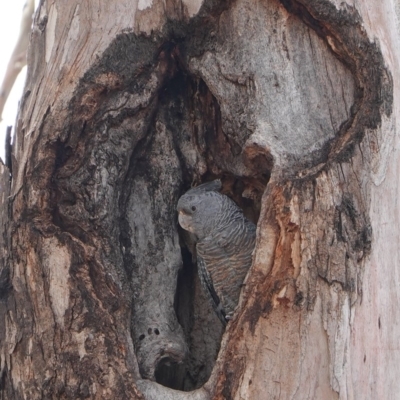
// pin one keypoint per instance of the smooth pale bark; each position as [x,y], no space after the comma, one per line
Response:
[18,56]
[293,104]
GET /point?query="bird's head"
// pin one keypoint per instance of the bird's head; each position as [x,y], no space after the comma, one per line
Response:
[199,209]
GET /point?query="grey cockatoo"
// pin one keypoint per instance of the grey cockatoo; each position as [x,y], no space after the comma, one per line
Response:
[224,242]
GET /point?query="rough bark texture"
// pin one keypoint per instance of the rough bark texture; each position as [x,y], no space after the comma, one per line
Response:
[5,286]
[4,226]
[292,104]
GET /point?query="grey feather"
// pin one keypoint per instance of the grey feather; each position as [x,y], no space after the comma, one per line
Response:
[225,243]
[213,186]
[207,284]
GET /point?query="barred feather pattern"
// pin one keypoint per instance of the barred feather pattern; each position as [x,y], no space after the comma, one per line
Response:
[224,245]
[224,258]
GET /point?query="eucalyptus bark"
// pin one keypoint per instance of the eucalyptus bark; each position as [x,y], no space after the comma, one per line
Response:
[18,57]
[293,104]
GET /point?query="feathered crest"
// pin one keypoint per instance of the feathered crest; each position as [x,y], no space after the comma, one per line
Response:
[213,186]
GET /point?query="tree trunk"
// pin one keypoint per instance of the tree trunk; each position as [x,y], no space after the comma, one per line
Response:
[293,104]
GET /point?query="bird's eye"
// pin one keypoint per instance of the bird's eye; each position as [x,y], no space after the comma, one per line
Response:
[193,208]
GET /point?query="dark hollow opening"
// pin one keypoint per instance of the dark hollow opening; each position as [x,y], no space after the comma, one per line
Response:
[191,116]
[171,374]
[202,329]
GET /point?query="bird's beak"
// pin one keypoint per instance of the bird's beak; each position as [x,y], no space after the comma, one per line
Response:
[183,220]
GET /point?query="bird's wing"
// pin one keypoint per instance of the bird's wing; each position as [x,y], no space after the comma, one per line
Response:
[216,266]
[208,286]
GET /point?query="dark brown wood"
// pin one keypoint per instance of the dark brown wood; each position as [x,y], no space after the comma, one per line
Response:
[5,181]
[5,282]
